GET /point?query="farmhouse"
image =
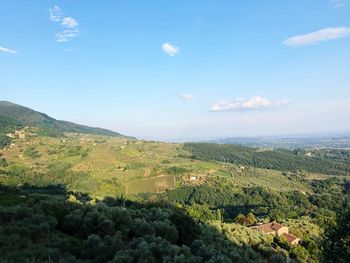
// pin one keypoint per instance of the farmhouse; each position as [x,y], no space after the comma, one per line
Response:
[291,239]
[10,135]
[20,134]
[276,229]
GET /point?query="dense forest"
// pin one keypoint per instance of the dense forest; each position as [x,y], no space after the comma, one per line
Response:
[328,197]
[46,227]
[283,160]
[49,224]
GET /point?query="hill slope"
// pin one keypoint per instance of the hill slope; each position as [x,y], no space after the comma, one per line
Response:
[31,117]
[282,160]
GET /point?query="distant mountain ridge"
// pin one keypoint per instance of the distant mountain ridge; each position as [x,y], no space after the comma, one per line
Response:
[27,116]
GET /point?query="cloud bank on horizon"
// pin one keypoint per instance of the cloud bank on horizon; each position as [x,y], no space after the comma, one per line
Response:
[69,25]
[253,103]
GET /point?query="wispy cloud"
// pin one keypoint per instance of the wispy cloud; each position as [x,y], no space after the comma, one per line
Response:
[326,34]
[170,49]
[7,50]
[69,25]
[56,14]
[69,22]
[337,3]
[186,97]
[252,103]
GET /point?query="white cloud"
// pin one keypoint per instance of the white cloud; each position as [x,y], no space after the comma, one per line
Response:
[69,25]
[55,14]
[66,35]
[186,97]
[326,34]
[337,3]
[170,49]
[69,22]
[252,103]
[7,50]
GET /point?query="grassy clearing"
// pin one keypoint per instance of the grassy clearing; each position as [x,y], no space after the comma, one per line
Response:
[274,180]
[151,185]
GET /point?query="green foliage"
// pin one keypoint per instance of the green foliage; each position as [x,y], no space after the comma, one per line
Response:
[51,127]
[250,219]
[283,160]
[4,141]
[234,200]
[18,170]
[200,212]
[247,220]
[175,170]
[11,199]
[32,152]
[240,219]
[3,162]
[72,228]
[337,242]
[300,253]
[48,228]
[9,125]
[218,215]
[49,132]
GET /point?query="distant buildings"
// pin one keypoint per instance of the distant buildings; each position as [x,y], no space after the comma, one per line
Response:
[17,134]
[10,135]
[21,134]
[273,228]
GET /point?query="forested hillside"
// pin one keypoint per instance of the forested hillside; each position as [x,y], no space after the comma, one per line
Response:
[283,160]
[28,116]
[116,230]
[7,125]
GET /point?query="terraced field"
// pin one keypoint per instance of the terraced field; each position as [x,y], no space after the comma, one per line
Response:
[109,166]
[158,183]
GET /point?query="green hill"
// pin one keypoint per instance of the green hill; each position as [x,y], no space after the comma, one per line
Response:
[82,197]
[320,161]
[73,198]
[27,116]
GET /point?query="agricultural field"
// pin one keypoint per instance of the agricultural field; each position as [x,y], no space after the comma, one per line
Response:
[109,166]
[100,165]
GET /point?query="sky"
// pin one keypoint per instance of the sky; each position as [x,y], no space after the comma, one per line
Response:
[178,70]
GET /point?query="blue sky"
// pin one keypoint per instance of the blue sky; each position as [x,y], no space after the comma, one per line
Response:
[181,69]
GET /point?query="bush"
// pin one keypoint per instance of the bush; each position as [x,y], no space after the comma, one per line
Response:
[4,141]
[3,162]
[32,152]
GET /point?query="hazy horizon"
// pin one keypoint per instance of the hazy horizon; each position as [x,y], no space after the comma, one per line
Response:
[181,70]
